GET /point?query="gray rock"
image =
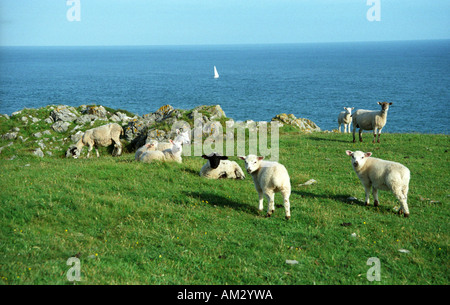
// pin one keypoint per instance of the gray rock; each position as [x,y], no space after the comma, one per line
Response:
[49,120]
[38,152]
[61,126]
[86,118]
[64,113]
[37,134]
[10,135]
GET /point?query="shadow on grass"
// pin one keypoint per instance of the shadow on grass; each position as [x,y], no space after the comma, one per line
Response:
[344,199]
[333,140]
[221,201]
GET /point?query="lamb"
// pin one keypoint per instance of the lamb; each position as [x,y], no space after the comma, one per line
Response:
[218,167]
[382,175]
[370,120]
[269,178]
[147,147]
[345,118]
[168,155]
[104,136]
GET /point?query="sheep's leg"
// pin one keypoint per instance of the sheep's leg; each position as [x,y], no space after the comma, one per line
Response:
[375,196]
[367,190]
[287,205]
[271,207]
[349,126]
[96,151]
[374,134]
[360,135]
[379,134]
[89,151]
[403,198]
[261,200]
[354,131]
[339,128]
[345,128]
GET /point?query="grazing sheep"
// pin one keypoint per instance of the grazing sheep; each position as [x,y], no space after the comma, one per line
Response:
[168,155]
[381,175]
[183,137]
[370,120]
[345,118]
[147,147]
[104,136]
[269,178]
[218,167]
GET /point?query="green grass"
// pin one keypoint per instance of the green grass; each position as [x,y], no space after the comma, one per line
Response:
[136,223]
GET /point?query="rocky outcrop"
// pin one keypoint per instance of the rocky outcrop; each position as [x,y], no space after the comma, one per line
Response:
[302,124]
[50,130]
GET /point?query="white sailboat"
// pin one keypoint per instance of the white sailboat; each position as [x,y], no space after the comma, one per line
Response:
[216,74]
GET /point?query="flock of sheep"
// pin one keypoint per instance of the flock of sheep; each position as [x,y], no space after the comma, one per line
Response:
[271,177]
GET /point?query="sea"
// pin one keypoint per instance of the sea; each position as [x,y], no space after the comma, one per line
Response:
[257,82]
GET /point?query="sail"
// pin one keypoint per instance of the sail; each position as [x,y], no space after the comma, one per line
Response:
[216,74]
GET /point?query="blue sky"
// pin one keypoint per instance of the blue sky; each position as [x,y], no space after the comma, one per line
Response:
[181,22]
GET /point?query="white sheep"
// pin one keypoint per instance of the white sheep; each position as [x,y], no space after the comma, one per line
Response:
[147,147]
[381,175]
[269,178]
[370,120]
[168,155]
[218,167]
[345,118]
[100,136]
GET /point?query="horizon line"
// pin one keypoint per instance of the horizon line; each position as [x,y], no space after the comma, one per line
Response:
[223,44]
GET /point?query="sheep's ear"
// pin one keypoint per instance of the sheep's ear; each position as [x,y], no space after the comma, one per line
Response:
[390,104]
[177,131]
[223,158]
[349,152]
[205,157]
[353,108]
[379,103]
[260,158]
[368,154]
[171,141]
[242,158]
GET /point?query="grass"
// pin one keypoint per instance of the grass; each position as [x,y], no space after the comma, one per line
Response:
[136,223]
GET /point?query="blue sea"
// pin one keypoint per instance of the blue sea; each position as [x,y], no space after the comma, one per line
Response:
[257,82]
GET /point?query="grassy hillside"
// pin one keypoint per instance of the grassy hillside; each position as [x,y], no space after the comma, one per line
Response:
[135,223]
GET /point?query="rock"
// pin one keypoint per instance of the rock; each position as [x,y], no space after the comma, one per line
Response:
[49,120]
[76,137]
[7,145]
[4,116]
[10,135]
[64,113]
[61,126]
[291,262]
[47,132]
[98,111]
[309,182]
[302,124]
[37,134]
[86,118]
[38,152]
[403,251]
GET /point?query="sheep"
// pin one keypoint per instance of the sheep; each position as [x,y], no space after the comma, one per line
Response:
[104,136]
[220,167]
[183,137]
[370,120]
[171,154]
[345,118]
[147,147]
[381,175]
[269,178]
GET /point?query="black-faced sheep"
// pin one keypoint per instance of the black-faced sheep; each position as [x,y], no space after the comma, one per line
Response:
[218,167]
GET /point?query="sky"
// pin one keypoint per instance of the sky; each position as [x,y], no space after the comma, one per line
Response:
[212,22]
